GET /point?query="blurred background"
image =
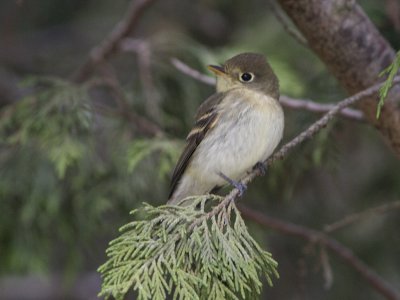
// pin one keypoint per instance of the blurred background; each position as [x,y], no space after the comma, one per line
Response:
[76,157]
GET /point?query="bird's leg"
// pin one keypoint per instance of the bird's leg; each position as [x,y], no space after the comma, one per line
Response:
[237,184]
[261,167]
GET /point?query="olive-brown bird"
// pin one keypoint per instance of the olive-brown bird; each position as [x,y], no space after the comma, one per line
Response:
[236,128]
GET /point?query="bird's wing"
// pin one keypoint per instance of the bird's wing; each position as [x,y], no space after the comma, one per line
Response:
[206,118]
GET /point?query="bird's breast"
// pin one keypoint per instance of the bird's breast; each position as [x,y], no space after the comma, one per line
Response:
[249,128]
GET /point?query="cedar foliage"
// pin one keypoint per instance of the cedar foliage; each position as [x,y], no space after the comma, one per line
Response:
[185,252]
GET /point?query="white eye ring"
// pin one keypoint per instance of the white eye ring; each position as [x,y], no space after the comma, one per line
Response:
[246,77]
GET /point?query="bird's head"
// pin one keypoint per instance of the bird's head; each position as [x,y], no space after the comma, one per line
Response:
[247,70]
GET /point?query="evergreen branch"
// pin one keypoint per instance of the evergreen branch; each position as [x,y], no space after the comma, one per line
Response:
[286,101]
[391,72]
[56,116]
[314,236]
[164,254]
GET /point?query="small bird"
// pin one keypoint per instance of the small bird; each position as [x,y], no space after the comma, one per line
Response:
[236,128]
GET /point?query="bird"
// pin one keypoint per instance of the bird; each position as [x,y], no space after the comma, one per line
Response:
[236,129]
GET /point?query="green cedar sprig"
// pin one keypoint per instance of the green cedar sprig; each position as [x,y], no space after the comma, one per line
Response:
[169,252]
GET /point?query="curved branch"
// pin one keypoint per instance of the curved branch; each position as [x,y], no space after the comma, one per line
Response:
[314,236]
[110,44]
[312,106]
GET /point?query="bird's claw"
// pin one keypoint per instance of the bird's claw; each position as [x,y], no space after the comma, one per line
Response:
[237,184]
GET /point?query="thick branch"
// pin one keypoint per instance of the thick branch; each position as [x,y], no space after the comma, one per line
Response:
[110,44]
[314,236]
[343,36]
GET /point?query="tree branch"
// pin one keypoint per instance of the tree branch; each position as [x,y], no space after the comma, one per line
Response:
[312,106]
[110,44]
[350,219]
[286,101]
[187,70]
[314,236]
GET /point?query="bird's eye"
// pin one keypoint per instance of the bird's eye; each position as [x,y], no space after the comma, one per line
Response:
[246,77]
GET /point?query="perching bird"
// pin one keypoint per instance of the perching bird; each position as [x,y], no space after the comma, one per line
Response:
[236,128]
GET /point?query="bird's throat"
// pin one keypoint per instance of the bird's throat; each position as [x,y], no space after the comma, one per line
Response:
[223,84]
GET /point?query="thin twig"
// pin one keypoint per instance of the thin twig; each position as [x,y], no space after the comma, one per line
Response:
[326,268]
[109,45]
[312,106]
[286,101]
[314,236]
[350,219]
[187,70]
[284,20]
[215,210]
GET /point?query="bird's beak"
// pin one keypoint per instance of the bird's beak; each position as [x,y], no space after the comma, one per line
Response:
[217,70]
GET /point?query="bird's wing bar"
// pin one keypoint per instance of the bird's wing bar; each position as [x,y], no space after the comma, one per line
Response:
[207,117]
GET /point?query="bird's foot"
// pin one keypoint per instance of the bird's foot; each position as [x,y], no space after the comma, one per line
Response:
[261,167]
[237,184]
